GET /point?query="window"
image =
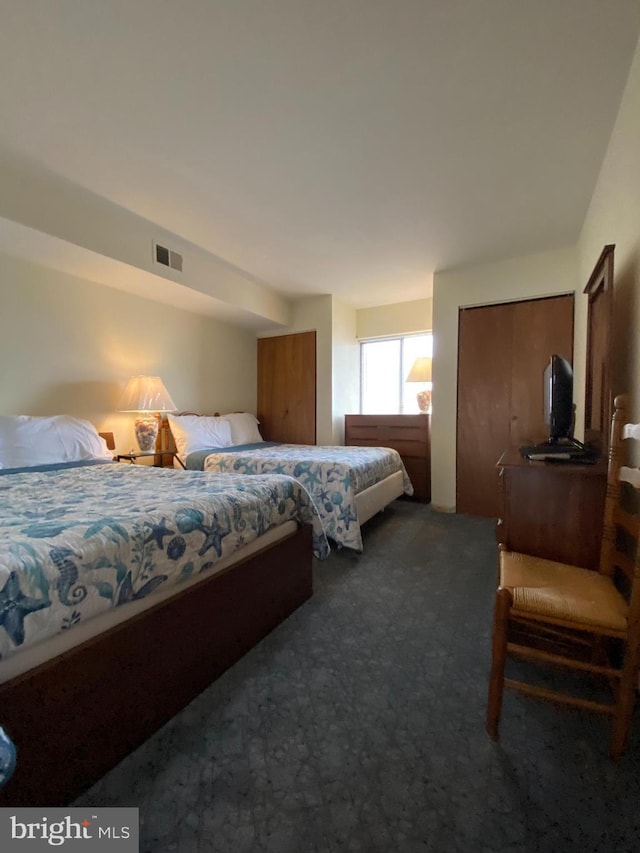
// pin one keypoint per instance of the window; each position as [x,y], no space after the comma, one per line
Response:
[384,367]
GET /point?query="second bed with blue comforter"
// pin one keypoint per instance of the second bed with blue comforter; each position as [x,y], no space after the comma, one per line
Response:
[333,476]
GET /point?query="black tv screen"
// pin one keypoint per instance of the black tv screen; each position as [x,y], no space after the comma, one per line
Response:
[558,398]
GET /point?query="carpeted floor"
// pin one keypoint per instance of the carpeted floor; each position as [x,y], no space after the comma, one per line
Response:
[358,725]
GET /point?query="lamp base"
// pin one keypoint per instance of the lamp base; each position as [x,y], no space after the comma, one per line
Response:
[424,401]
[146,428]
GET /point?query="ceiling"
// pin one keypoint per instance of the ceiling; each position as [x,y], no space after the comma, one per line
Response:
[350,147]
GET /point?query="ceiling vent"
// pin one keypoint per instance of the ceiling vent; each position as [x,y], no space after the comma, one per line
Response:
[167,257]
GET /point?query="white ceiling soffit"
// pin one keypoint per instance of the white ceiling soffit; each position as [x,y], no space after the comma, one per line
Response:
[31,245]
[345,146]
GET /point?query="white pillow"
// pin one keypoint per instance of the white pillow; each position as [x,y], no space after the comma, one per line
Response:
[244,428]
[196,432]
[26,441]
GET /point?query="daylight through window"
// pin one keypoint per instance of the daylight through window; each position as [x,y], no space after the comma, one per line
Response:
[384,366]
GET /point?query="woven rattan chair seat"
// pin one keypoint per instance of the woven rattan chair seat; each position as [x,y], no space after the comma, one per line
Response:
[562,592]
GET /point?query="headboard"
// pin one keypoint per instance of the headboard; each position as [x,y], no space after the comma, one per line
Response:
[108,437]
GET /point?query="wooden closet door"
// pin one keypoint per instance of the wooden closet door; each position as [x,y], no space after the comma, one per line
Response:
[541,328]
[502,353]
[484,404]
[287,388]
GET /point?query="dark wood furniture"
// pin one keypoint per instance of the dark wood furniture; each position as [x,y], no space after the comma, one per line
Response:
[598,400]
[502,353]
[75,717]
[552,509]
[160,460]
[408,434]
[565,617]
[287,388]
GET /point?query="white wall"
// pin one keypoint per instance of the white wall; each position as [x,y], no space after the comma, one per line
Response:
[337,328]
[400,318]
[52,207]
[315,313]
[542,274]
[337,361]
[614,217]
[346,367]
[68,345]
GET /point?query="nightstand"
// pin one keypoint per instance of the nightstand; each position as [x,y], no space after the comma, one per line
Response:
[160,460]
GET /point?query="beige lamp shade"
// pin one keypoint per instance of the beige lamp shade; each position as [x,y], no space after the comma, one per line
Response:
[147,396]
[421,372]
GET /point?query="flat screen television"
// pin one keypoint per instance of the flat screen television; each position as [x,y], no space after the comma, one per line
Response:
[558,417]
[558,399]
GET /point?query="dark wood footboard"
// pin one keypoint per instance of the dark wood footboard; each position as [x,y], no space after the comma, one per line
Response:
[75,717]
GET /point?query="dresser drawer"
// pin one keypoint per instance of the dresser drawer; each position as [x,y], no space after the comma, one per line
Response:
[408,434]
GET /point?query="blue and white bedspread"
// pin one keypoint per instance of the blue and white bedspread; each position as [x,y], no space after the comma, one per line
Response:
[77,542]
[333,476]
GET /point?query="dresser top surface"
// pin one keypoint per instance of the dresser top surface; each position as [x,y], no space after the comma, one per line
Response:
[512,458]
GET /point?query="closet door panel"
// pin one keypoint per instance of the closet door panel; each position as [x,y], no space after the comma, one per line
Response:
[502,353]
[541,328]
[287,388]
[484,404]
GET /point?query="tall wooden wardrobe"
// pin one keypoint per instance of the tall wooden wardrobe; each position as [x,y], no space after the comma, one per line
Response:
[502,353]
[287,388]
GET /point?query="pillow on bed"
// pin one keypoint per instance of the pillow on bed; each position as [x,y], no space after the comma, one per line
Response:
[244,428]
[196,432]
[26,441]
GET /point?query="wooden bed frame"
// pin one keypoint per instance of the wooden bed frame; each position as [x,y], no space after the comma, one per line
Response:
[75,717]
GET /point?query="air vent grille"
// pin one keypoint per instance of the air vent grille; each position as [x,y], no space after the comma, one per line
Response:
[167,257]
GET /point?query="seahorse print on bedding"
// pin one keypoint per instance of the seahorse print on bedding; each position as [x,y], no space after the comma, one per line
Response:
[68,570]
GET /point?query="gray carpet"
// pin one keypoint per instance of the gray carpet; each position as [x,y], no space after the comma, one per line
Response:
[358,725]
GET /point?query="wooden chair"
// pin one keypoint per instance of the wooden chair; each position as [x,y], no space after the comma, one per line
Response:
[557,615]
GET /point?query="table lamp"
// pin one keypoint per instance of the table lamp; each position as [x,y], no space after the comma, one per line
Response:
[421,372]
[147,396]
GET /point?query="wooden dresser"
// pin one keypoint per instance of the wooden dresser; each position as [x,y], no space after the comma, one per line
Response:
[408,434]
[552,510]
